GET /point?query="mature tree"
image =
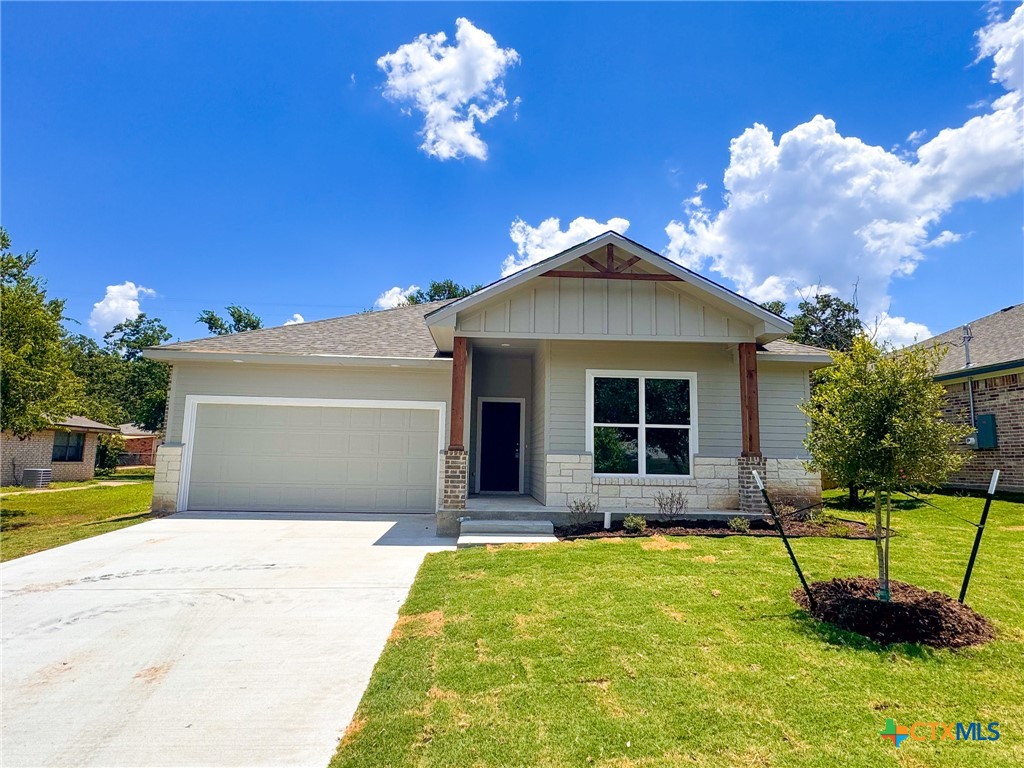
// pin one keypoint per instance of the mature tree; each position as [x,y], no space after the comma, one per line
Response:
[120,384]
[239,319]
[37,385]
[441,289]
[826,321]
[144,395]
[778,307]
[876,423]
[103,376]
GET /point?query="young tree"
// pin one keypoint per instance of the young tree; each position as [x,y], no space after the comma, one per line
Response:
[876,424]
[239,319]
[826,321]
[441,289]
[37,385]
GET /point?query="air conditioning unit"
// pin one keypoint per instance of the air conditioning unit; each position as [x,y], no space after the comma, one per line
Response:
[36,478]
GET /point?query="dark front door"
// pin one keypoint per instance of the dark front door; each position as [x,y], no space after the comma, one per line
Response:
[499,446]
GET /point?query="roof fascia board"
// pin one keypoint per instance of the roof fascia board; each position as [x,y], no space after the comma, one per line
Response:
[981,370]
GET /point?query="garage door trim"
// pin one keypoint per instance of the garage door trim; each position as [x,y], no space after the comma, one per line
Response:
[192,403]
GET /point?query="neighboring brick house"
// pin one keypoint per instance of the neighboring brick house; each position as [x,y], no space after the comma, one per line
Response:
[139,446]
[69,449]
[984,380]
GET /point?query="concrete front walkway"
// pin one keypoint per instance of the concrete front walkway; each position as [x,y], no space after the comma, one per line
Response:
[201,639]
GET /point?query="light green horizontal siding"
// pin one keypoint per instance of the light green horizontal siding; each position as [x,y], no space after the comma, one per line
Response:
[300,381]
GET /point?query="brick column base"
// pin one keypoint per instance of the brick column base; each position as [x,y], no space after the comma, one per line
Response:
[751,500]
[453,491]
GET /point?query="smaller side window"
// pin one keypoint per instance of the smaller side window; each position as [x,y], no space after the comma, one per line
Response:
[68,446]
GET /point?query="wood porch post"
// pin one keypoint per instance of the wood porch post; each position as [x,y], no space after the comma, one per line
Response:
[458,394]
[749,412]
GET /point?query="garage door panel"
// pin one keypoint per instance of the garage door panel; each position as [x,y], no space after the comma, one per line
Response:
[305,458]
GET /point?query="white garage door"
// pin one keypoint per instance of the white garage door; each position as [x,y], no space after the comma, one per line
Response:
[313,459]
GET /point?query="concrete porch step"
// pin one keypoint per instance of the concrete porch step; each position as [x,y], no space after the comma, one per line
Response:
[483,539]
[518,527]
[478,533]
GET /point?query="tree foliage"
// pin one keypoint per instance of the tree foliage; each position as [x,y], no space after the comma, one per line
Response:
[823,321]
[239,319]
[439,290]
[826,321]
[37,384]
[876,423]
[120,384]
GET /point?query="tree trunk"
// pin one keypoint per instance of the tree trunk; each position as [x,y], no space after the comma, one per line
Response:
[854,500]
[888,536]
[883,585]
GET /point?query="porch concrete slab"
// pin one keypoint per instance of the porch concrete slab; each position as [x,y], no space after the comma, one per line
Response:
[220,639]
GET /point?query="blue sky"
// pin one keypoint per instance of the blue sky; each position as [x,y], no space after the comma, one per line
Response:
[255,154]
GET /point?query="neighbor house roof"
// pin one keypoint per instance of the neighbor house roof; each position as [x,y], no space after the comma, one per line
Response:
[388,333]
[82,424]
[399,333]
[131,430]
[998,341]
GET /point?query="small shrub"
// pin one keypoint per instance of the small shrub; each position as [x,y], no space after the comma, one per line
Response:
[108,448]
[837,530]
[581,509]
[635,523]
[672,505]
[821,516]
[739,524]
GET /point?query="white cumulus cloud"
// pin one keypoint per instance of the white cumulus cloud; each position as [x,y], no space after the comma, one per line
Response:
[394,297]
[295,319]
[819,207]
[535,244]
[455,87]
[120,303]
[897,330]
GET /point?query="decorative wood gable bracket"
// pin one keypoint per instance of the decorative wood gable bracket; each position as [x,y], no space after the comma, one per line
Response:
[610,270]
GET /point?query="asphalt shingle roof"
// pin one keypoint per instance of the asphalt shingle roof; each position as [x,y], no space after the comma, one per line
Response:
[399,332]
[83,424]
[998,338]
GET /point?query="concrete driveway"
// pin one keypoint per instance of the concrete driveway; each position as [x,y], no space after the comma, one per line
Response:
[198,639]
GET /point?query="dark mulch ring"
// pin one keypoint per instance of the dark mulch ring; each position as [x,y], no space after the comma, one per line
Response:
[913,615]
[842,529]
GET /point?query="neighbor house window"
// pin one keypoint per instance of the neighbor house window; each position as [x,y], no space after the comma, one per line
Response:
[68,446]
[641,423]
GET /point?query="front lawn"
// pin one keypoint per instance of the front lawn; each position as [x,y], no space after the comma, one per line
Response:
[32,522]
[690,651]
[121,475]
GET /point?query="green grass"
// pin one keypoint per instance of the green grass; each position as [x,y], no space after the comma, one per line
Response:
[139,474]
[634,653]
[37,521]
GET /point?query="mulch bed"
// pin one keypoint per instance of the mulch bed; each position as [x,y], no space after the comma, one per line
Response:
[845,529]
[913,615]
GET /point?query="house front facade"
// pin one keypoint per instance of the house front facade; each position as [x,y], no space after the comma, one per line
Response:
[605,372]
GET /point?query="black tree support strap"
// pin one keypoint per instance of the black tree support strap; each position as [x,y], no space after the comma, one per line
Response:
[785,540]
[981,529]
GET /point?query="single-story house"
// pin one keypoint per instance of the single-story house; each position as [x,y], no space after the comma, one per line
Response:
[605,371]
[139,446]
[68,449]
[983,373]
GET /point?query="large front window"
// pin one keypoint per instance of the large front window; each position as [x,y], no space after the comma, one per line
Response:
[640,423]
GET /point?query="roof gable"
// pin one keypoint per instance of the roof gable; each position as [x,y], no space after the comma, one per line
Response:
[638,264]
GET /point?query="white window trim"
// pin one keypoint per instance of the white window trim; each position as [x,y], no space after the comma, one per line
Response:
[690,376]
[522,439]
[192,403]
